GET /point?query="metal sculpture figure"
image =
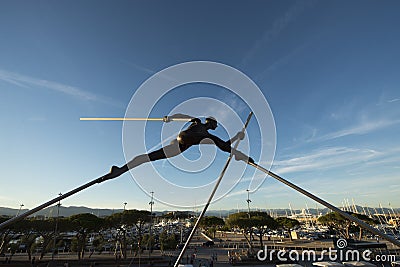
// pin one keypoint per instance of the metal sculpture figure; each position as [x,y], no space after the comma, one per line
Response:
[196,134]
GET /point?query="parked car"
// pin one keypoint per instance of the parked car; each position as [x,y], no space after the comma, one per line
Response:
[208,244]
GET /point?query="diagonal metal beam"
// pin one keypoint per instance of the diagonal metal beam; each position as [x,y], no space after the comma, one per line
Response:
[328,205]
[38,208]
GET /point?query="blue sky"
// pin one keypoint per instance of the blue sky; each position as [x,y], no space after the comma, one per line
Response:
[328,69]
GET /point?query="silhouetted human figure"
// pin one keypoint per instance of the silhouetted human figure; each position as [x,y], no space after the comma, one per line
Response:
[196,133]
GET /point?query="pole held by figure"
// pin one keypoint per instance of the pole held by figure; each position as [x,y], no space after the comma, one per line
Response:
[131,119]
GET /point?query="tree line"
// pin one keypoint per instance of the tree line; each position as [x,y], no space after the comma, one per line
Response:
[30,230]
[254,224]
[257,224]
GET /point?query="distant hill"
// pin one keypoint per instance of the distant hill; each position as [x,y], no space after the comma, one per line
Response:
[72,210]
[63,212]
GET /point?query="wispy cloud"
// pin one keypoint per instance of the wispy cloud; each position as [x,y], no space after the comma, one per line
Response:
[393,100]
[360,187]
[29,82]
[235,103]
[278,26]
[362,128]
[324,159]
[319,160]
[281,61]
[139,67]
[273,190]
[391,157]
[151,72]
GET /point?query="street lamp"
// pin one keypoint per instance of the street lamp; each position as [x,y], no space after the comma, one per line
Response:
[248,208]
[20,207]
[151,203]
[55,229]
[248,201]
[124,231]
